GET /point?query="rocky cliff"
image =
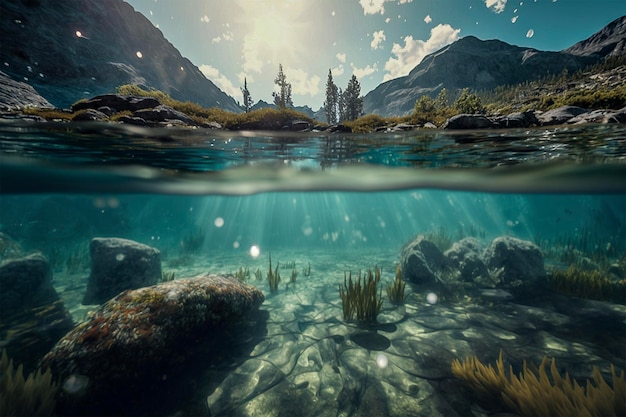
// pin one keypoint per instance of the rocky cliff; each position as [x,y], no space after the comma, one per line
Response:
[608,42]
[478,64]
[71,49]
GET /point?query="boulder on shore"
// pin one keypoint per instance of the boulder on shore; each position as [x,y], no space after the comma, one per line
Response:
[132,346]
[117,102]
[469,121]
[118,265]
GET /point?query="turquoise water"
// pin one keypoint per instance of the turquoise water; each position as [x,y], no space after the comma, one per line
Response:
[219,201]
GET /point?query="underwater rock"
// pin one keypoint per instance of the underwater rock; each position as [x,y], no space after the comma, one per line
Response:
[517,263]
[32,313]
[422,262]
[9,248]
[26,282]
[465,255]
[131,346]
[118,265]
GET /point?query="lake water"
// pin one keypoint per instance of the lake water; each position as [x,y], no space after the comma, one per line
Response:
[213,201]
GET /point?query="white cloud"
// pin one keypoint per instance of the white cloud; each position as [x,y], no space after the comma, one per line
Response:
[205,19]
[414,50]
[341,57]
[428,19]
[377,39]
[387,20]
[220,80]
[251,59]
[373,6]
[497,5]
[364,72]
[228,36]
[338,70]
[302,83]
[377,6]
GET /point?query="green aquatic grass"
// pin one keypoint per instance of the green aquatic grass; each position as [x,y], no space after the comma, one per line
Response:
[361,300]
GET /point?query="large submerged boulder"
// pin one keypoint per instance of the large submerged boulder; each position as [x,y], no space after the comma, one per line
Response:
[516,263]
[131,346]
[31,312]
[466,256]
[422,262]
[118,265]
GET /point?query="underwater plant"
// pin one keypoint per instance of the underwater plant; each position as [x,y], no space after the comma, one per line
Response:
[306,271]
[78,259]
[289,265]
[578,282]
[258,275]
[395,291]
[167,276]
[294,275]
[361,301]
[193,242]
[33,396]
[441,238]
[242,274]
[273,276]
[537,394]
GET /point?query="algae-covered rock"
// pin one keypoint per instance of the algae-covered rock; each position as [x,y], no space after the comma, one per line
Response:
[132,344]
[516,262]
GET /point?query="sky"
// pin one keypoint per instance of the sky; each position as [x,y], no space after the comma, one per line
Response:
[376,40]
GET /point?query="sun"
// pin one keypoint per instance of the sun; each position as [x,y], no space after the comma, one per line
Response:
[276,32]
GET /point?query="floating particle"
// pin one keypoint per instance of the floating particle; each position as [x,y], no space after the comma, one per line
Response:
[530,33]
[432,298]
[381,360]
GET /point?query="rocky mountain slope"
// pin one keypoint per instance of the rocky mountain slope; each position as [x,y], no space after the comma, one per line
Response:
[481,65]
[71,49]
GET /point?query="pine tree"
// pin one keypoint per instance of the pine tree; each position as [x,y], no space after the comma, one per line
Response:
[469,103]
[353,101]
[332,99]
[341,105]
[442,99]
[282,98]
[247,98]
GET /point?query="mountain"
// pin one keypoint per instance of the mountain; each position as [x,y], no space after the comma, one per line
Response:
[71,49]
[478,64]
[608,42]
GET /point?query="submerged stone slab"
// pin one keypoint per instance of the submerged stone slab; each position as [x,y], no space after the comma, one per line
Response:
[132,344]
[118,265]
